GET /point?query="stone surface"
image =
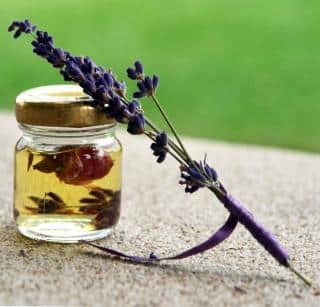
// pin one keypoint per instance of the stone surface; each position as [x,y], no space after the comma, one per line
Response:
[281,187]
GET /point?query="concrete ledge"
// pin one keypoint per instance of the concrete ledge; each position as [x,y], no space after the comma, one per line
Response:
[282,188]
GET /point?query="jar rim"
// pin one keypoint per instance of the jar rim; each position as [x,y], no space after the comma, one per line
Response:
[58,106]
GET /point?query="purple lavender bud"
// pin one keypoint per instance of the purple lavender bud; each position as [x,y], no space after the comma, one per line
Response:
[191,188]
[123,115]
[139,67]
[101,90]
[27,26]
[155,81]
[117,110]
[41,49]
[57,58]
[197,175]
[161,158]
[132,73]
[116,102]
[87,66]
[74,71]
[21,27]
[136,124]
[134,106]
[119,87]
[17,33]
[13,25]
[89,86]
[100,81]
[159,147]
[141,86]
[138,94]
[108,79]
[119,113]
[65,75]
[77,60]
[101,94]
[122,90]
[212,174]
[59,53]
[44,38]
[163,139]
[155,147]
[118,84]
[148,83]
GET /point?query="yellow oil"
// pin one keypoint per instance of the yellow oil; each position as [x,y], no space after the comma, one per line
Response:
[48,205]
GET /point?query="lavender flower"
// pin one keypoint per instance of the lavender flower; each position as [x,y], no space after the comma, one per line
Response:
[21,27]
[114,108]
[109,97]
[147,87]
[108,92]
[136,124]
[136,73]
[197,175]
[160,146]
[119,87]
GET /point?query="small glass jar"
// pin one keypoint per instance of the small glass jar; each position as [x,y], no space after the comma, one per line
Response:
[67,167]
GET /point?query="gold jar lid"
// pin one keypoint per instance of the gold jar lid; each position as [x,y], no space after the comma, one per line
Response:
[58,106]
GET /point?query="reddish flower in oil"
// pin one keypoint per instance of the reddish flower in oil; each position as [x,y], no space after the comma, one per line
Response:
[78,166]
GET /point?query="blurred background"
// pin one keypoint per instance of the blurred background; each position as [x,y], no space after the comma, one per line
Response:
[242,71]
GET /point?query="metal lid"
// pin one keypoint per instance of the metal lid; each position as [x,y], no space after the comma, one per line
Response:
[58,106]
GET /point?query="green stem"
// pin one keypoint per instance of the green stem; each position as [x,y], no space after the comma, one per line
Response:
[302,277]
[181,152]
[175,133]
[163,113]
[172,144]
[177,149]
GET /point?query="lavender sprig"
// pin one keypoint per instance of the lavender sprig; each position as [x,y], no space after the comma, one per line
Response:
[146,85]
[160,146]
[109,96]
[98,83]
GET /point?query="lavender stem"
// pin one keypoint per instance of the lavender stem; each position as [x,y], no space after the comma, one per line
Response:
[163,113]
[301,276]
[171,143]
[259,232]
[175,133]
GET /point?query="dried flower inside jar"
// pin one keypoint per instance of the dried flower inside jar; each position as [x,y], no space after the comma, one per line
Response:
[68,155]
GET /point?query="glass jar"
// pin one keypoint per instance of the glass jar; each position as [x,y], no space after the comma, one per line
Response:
[67,167]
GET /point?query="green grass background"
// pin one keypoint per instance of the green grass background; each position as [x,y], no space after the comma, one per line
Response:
[241,70]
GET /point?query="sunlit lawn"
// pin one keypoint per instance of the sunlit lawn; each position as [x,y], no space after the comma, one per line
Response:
[245,71]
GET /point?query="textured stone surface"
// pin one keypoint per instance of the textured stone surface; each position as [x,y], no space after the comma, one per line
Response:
[282,188]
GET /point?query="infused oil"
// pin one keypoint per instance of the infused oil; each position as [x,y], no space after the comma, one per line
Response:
[69,194]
